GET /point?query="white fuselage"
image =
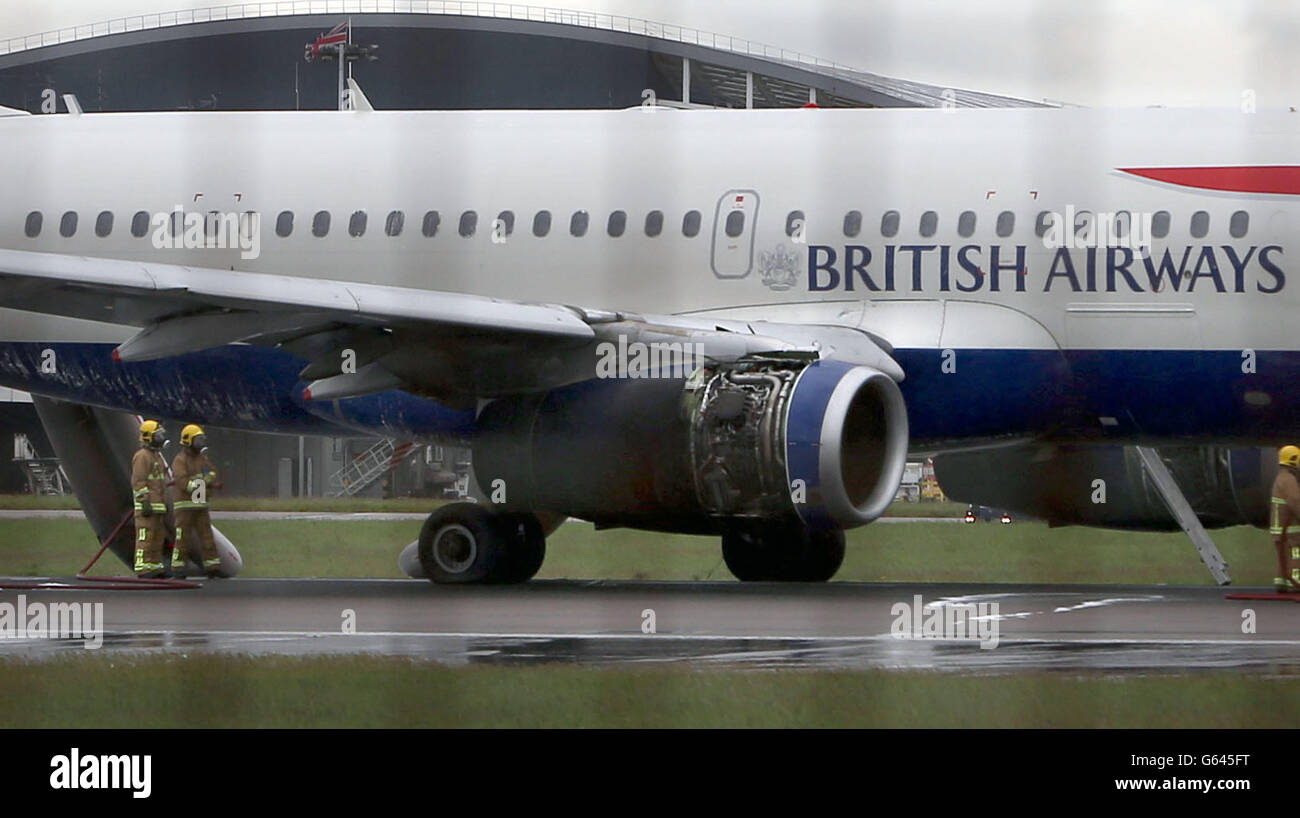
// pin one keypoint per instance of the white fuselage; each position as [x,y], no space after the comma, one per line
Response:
[823,163]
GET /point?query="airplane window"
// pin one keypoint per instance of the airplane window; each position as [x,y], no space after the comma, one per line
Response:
[507,220]
[320,223]
[431,222]
[889,224]
[542,223]
[1006,223]
[1044,222]
[468,223]
[966,224]
[211,225]
[284,224]
[691,224]
[1160,224]
[394,223]
[617,223]
[1200,224]
[735,223]
[249,221]
[578,223]
[33,226]
[68,225]
[140,224]
[104,223]
[1239,224]
[357,224]
[929,223]
[1083,223]
[654,223]
[795,221]
[853,223]
[1122,221]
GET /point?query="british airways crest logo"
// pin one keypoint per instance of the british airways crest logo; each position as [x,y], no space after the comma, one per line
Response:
[779,268]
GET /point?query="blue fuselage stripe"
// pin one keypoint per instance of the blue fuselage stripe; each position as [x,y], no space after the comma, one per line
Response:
[980,393]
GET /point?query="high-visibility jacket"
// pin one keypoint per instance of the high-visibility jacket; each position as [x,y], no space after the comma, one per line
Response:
[1284,510]
[149,480]
[190,470]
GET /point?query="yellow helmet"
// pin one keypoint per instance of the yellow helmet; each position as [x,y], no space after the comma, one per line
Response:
[1289,456]
[153,434]
[191,433]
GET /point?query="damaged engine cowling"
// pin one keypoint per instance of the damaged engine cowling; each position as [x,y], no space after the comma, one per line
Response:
[764,438]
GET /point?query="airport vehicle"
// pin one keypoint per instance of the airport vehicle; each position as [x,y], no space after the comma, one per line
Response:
[986,514]
[727,322]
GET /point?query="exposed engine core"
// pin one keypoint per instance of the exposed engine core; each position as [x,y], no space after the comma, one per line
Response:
[764,438]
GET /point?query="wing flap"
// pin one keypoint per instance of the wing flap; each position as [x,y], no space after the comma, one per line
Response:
[142,294]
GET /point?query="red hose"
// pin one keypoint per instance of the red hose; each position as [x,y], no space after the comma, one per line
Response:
[104,583]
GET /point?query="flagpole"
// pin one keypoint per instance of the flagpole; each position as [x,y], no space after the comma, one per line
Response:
[349,43]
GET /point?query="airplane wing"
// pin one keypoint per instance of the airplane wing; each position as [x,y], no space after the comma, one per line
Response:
[362,338]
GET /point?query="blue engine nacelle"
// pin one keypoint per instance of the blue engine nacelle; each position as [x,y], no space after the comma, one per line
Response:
[764,438]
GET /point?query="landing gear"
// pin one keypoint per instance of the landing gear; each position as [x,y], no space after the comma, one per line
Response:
[467,543]
[783,553]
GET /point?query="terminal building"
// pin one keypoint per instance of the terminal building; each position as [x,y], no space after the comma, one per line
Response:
[428,55]
[432,55]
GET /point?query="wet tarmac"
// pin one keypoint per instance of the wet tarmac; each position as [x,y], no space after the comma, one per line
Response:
[902,626]
[335,516]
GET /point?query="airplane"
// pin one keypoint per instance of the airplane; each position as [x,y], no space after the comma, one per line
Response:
[734,323]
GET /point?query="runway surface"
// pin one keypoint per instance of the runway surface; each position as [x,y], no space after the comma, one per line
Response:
[839,625]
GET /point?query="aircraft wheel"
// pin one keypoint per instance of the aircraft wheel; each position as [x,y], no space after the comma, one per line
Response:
[527,546]
[784,553]
[463,543]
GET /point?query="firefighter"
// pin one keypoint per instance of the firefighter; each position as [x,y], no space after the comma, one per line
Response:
[1284,520]
[148,484]
[195,477]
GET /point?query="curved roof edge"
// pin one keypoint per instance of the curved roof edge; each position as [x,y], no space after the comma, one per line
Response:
[664,38]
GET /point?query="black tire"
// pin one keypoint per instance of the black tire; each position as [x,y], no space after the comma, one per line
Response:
[783,553]
[824,555]
[463,543]
[527,545]
[746,557]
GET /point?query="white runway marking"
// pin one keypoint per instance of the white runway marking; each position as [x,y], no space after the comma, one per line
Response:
[885,637]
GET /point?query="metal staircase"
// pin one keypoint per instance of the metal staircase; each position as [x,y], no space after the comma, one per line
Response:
[367,467]
[44,474]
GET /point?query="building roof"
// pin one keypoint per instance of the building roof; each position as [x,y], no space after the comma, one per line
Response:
[721,63]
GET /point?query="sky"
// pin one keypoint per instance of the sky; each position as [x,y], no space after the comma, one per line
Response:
[1087,52]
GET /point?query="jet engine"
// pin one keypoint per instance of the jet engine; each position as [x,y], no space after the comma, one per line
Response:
[781,440]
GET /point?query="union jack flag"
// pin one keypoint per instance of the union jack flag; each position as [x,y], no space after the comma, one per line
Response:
[338,34]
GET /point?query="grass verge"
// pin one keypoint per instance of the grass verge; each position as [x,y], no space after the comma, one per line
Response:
[903,552]
[418,505]
[355,691]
